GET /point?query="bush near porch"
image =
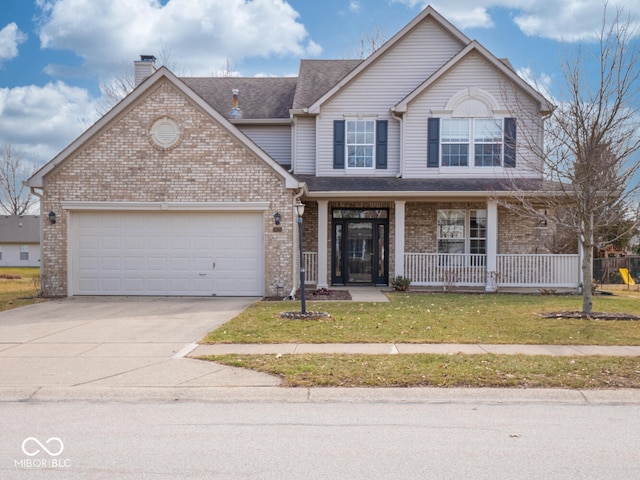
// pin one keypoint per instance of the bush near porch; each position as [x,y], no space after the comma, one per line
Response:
[438,318]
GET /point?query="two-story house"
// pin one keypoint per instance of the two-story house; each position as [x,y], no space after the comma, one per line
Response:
[403,161]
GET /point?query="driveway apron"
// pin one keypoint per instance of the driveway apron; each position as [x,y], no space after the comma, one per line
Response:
[117,342]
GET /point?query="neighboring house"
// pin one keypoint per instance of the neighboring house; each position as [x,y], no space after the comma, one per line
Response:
[400,160]
[20,241]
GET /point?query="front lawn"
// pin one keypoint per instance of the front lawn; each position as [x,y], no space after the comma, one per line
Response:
[18,292]
[512,371]
[437,318]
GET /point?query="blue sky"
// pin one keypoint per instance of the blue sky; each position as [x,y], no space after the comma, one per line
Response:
[55,53]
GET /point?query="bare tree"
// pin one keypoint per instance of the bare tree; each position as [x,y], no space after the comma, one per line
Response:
[15,198]
[119,85]
[370,42]
[590,140]
[227,70]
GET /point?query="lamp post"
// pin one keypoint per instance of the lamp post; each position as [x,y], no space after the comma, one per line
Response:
[299,206]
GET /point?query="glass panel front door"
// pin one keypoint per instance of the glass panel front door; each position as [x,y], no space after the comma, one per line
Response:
[359,252]
[359,249]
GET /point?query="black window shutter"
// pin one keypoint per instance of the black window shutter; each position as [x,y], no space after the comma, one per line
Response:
[338,144]
[510,142]
[433,143]
[381,144]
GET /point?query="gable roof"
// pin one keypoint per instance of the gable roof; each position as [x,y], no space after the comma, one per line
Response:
[428,12]
[316,77]
[37,179]
[20,229]
[259,98]
[503,66]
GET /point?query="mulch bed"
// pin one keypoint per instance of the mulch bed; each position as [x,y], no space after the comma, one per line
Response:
[592,315]
[318,295]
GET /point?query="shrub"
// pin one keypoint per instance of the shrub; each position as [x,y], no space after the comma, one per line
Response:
[401,284]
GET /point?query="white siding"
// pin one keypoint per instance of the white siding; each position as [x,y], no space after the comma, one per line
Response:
[11,255]
[473,71]
[273,139]
[387,81]
[305,145]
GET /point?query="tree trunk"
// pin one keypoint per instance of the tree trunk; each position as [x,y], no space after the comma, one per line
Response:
[587,276]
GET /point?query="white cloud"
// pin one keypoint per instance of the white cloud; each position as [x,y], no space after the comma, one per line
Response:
[354,6]
[201,34]
[41,121]
[555,19]
[10,38]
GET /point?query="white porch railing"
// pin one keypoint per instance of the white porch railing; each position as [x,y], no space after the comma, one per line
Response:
[538,270]
[549,271]
[445,269]
[310,267]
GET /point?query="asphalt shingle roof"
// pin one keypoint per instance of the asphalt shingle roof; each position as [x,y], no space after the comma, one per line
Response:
[392,184]
[316,77]
[258,98]
[272,97]
[20,229]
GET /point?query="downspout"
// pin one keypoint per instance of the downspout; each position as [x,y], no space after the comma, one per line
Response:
[294,271]
[399,119]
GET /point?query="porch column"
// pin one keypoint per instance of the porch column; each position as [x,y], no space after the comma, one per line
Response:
[492,246]
[399,238]
[323,225]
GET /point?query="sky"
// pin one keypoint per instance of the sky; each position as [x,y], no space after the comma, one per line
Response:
[55,54]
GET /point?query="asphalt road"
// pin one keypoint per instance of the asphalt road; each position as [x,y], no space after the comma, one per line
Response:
[333,440]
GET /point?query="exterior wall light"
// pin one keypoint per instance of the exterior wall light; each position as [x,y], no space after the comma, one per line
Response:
[52,217]
[299,206]
[276,218]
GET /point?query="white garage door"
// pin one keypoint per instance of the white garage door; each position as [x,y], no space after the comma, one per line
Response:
[166,253]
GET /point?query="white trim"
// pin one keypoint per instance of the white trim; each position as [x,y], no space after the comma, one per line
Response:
[544,104]
[323,233]
[491,242]
[168,206]
[399,237]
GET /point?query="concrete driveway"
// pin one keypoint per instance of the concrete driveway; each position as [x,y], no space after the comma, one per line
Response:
[116,342]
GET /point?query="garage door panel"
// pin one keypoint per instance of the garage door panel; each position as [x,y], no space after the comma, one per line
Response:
[166,253]
[111,263]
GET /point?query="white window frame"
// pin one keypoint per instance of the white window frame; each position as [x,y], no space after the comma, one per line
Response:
[471,142]
[356,144]
[24,252]
[461,233]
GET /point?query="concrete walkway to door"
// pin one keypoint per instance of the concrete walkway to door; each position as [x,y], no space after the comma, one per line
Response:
[115,342]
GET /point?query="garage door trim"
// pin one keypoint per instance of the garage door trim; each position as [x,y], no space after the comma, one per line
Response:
[191,206]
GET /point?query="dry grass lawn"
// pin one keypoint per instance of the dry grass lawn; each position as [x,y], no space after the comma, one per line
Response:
[21,291]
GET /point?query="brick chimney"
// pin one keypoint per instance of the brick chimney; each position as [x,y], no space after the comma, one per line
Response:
[143,68]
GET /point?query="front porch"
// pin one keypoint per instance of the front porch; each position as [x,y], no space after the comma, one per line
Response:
[459,270]
[401,238]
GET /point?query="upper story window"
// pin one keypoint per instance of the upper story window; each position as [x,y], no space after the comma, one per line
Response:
[360,143]
[471,141]
[473,132]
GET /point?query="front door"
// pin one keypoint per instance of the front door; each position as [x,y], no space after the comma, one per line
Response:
[360,245]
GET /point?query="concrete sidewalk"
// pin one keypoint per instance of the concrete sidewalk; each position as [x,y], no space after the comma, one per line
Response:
[400,348]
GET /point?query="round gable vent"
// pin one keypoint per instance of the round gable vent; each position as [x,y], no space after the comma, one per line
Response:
[165,133]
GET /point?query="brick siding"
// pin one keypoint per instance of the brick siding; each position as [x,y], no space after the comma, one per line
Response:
[120,164]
